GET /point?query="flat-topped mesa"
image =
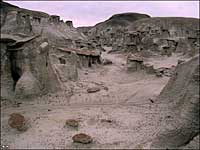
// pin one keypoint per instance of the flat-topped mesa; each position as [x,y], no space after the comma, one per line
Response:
[129,16]
[69,23]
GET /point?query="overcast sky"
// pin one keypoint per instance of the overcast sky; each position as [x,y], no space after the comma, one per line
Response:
[88,13]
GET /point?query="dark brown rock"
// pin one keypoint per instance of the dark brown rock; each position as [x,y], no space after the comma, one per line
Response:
[106,120]
[106,62]
[72,123]
[82,138]
[17,121]
[93,89]
[69,23]
[180,61]
[158,74]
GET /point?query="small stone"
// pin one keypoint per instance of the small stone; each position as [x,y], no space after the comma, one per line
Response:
[17,121]
[180,61]
[106,62]
[151,100]
[93,89]
[82,138]
[196,77]
[158,74]
[149,69]
[105,88]
[72,123]
[18,104]
[167,74]
[106,120]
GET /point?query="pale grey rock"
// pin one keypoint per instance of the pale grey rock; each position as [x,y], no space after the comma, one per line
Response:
[67,72]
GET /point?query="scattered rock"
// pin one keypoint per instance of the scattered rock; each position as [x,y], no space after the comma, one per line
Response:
[134,63]
[93,89]
[113,51]
[72,123]
[158,74]
[106,120]
[164,72]
[17,121]
[151,100]
[106,62]
[149,69]
[17,104]
[167,74]
[180,61]
[82,138]
[196,77]
[105,88]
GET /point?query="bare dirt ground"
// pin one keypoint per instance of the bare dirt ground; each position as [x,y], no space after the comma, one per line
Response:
[124,99]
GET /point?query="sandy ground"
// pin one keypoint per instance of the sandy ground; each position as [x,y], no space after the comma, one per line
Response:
[124,98]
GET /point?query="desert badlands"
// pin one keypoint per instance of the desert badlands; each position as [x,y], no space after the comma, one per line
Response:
[131,81]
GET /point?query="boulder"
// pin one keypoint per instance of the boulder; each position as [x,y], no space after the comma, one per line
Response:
[82,138]
[158,74]
[93,89]
[134,63]
[17,121]
[180,61]
[106,62]
[72,123]
[149,69]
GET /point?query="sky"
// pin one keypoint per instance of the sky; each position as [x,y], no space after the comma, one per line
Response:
[89,13]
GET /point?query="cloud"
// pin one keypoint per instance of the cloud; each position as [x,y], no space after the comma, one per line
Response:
[87,13]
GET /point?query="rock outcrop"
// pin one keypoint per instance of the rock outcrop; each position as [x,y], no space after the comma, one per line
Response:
[164,36]
[69,23]
[112,30]
[181,97]
[26,68]
[139,33]
[29,43]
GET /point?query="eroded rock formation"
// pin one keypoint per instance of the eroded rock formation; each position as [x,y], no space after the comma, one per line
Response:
[26,68]
[181,97]
[138,33]
[165,35]
[112,30]
[29,43]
